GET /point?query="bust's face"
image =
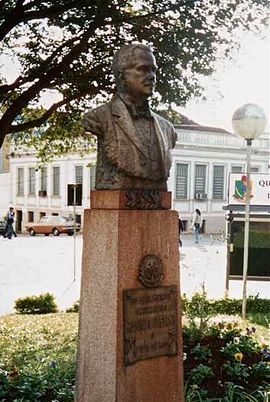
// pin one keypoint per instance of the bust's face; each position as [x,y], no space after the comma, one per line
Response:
[139,78]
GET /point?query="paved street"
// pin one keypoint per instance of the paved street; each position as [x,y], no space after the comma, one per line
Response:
[34,265]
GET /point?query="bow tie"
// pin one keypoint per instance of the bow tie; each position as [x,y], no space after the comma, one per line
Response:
[141,114]
[137,113]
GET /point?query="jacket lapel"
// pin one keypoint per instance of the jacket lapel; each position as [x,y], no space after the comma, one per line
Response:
[125,124]
[162,139]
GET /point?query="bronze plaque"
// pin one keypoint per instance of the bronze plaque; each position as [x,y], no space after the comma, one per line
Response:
[150,323]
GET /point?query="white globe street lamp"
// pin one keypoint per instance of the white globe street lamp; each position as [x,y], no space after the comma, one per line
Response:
[249,122]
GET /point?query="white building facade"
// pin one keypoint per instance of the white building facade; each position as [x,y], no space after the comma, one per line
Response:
[201,161]
[36,192]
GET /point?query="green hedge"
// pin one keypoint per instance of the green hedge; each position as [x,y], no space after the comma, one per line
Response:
[42,304]
[201,307]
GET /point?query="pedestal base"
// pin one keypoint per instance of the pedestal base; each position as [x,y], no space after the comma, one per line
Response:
[115,242]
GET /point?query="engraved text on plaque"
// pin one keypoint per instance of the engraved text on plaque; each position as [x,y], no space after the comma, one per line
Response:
[150,323]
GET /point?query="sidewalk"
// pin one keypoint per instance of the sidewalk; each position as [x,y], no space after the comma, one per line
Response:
[34,265]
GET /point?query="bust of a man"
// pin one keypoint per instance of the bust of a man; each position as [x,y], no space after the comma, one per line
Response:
[134,143]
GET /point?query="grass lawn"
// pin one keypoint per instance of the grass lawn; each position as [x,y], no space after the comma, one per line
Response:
[37,357]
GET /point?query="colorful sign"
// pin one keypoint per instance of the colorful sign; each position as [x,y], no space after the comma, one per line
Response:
[259,188]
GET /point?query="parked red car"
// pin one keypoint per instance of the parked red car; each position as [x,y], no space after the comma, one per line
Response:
[52,225]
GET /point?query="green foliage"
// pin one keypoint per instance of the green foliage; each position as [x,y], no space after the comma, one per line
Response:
[224,364]
[74,308]
[201,352]
[236,393]
[227,306]
[37,358]
[199,307]
[66,48]
[260,319]
[257,305]
[38,361]
[201,373]
[237,371]
[42,304]
[62,134]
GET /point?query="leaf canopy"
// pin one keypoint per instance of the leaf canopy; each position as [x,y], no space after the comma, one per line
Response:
[67,46]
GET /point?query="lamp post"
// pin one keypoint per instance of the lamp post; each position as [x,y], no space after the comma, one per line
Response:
[249,122]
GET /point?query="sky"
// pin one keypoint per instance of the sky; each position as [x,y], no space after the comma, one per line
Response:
[245,79]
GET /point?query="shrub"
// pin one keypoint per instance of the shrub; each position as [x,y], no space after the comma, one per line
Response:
[199,307]
[256,305]
[74,308]
[260,319]
[42,304]
[227,306]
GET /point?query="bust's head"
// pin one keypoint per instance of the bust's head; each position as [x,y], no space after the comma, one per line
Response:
[134,68]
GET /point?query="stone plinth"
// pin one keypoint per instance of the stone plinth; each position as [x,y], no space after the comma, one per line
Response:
[115,242]
[132,199]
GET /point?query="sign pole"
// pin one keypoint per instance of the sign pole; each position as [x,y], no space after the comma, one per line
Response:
[74,234]
[246,232]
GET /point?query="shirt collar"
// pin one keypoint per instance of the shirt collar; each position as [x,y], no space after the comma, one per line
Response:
[137,111]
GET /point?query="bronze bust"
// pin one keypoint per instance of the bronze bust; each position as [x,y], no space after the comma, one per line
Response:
[134,143]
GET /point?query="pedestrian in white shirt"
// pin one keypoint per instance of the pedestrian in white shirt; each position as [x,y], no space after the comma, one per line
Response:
[196,224]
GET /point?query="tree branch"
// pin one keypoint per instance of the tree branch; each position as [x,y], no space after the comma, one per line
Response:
[24,98]
[2,3]
[38,122]
[11,19]
[16,84]
[20,14]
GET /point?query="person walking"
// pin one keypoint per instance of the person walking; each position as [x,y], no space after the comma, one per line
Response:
[10,220]
[180,229]
[196,224]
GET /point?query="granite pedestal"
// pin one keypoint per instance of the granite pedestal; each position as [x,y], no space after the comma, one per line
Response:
[130,347]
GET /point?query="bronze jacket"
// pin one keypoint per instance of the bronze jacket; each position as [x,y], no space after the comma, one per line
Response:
[120,146]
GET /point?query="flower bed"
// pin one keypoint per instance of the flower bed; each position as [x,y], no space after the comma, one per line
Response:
[221,359]
[38,354]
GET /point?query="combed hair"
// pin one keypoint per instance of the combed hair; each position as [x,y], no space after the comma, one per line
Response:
[123,58]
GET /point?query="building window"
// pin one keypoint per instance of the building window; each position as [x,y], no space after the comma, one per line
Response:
[56,181]
[30,216]
[254,169]
[218,182]
[31,181]
[92,177]
[43,179]
[20,181]
[78,174]
[200,179]
[181,181]
[237,169]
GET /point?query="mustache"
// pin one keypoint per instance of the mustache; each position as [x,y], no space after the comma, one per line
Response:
[149,82]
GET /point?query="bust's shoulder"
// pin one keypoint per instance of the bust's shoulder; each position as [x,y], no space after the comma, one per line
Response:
[167,127]
[162,121]
[99,110]
[96,120]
